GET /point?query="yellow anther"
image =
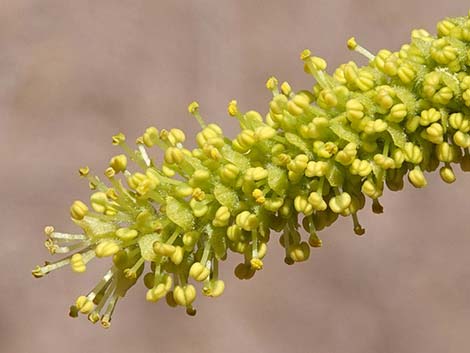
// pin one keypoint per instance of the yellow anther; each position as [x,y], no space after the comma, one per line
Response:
[462,139]
[416,177]
[397,113]
[305,54]
[106,248]
[48,230]
[316,169]
[184,295]
[99,201]
[163,249]
[302,205]
[256,264]
[413,153]
[447,175]
[177,255]
[109,172]
[126,234]
[354,110]
[174,155]
[119,139]
[77,263]
[247,221]
[84,171]
[199,272]
[222,216]
[214,288]
[198,194]
[264,133]
[78,210]
[150,136]
[193,107]
[340,203]
[271,83]
[286,89]
[352,43]
[371,190]
[156,293]
[299,252]
[232,108]
[347,155]
[317,202]
[84,305]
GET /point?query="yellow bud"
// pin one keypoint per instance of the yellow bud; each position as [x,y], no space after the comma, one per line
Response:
[106,248]
[199,272]
[78,210]
[77,263]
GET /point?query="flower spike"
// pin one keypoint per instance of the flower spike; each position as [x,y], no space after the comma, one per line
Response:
[315,156]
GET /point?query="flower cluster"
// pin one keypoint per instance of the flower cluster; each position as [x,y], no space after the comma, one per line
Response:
[316,155]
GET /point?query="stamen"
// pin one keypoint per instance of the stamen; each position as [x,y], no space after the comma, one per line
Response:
[144,155]
[193,109]
[352,45]
[377,207]
[106,320]
[357,226]
[95,316]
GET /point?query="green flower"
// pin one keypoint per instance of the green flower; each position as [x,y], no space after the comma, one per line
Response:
[314,157]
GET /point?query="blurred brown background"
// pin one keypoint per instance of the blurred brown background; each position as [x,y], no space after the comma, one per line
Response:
[73,73]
